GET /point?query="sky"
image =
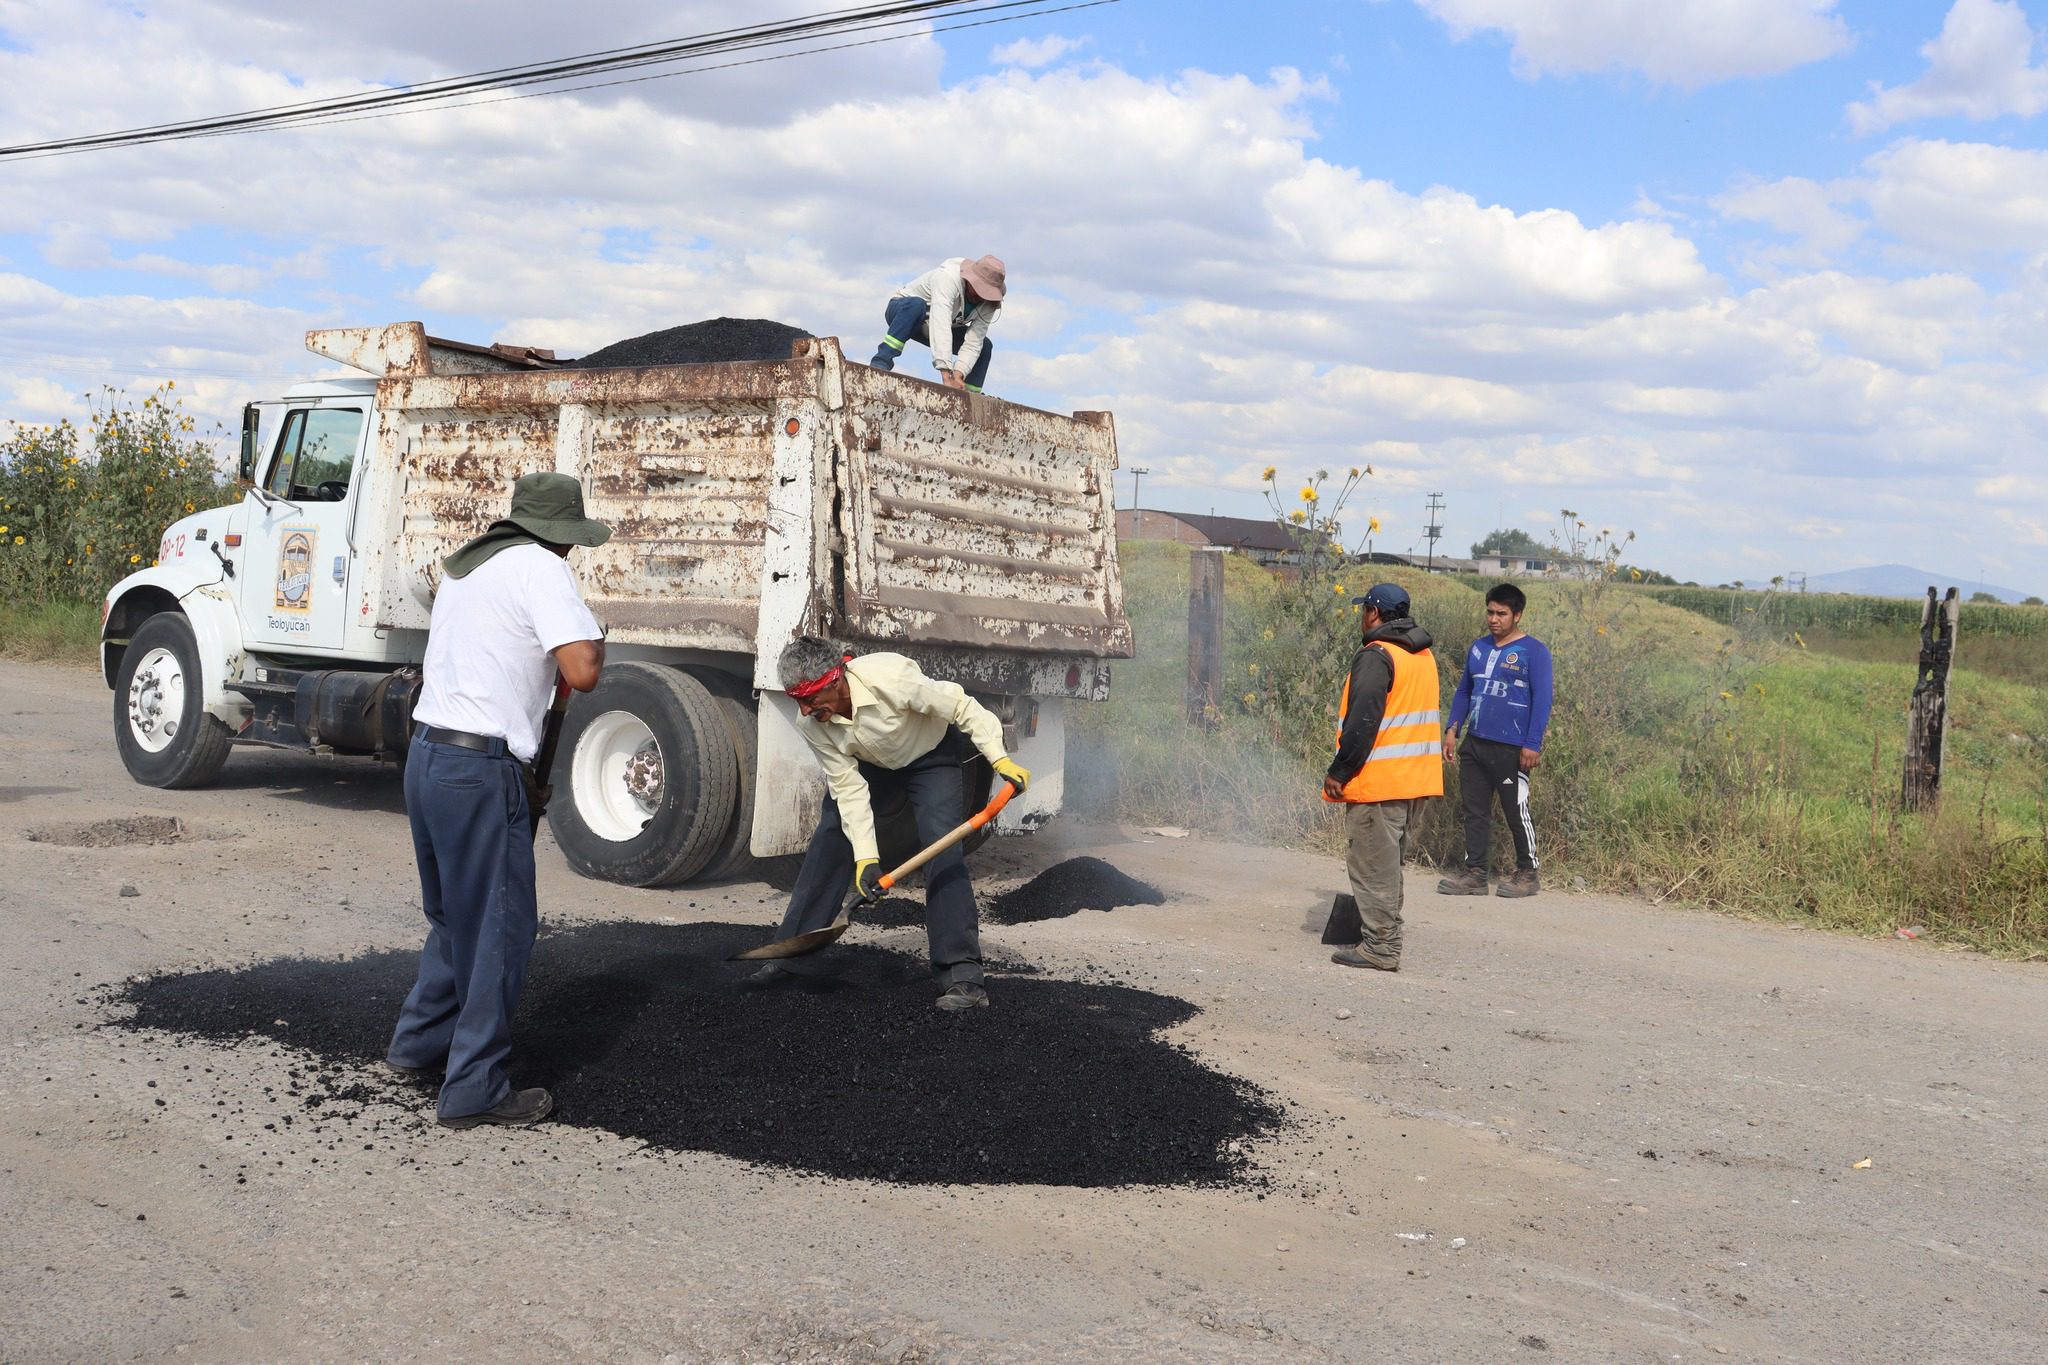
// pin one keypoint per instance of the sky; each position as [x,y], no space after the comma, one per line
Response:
[1764,282]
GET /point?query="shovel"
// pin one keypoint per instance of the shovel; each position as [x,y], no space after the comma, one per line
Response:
[814,939]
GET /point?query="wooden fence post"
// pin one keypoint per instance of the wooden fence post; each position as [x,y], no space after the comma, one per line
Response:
[1205,635]
[1927,715]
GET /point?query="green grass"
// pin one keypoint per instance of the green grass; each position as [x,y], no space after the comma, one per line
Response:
[55,632]
[1691,757]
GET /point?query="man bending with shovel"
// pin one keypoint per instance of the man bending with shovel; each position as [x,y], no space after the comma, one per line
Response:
[878,722]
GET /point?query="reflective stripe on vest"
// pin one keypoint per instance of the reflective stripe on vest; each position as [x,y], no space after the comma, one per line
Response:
[1407,758]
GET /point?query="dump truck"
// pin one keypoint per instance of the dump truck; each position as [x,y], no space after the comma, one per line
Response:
[751,502]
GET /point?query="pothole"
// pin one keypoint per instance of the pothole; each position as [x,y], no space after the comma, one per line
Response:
[129,829]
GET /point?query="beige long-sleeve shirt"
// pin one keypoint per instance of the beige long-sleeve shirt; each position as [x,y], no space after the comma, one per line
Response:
[899,716]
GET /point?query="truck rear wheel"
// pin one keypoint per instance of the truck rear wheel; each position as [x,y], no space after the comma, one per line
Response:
[735,854]
[647,777]
[161,725]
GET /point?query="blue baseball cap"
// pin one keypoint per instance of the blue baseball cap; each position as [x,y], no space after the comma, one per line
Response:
[1390,600]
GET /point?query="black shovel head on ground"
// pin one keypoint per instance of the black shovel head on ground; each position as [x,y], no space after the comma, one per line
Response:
[1343,929]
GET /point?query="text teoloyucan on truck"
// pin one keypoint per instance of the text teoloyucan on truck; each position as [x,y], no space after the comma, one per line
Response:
[751,503]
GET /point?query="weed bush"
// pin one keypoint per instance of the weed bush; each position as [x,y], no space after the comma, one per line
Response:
[81,508]
[1702,760]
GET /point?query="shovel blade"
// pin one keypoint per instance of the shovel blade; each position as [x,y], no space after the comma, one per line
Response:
[795,946]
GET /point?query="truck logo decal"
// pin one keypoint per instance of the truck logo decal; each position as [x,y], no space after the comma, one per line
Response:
[295,545]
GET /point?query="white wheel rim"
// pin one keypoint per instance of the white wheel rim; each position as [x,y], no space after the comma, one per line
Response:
[616,774]
[156,700]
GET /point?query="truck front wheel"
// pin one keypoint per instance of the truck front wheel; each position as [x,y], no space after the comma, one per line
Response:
[646,778]
[161,725]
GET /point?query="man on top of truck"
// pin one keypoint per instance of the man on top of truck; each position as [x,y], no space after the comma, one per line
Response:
[506,620]
[965,295]
[879,720]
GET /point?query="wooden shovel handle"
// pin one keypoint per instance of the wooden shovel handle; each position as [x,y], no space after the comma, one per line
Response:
[961,831]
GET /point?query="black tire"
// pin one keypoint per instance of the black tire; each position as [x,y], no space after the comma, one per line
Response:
[690,809]
[158,749]
[736,708]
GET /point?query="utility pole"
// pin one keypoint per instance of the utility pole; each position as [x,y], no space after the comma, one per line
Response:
[1138,471]
[1434,530]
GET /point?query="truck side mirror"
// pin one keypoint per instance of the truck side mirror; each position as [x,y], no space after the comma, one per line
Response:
[246,471]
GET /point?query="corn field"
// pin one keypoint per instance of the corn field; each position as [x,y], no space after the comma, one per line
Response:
[1844,615]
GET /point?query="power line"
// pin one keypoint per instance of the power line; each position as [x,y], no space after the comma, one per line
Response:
[447,92]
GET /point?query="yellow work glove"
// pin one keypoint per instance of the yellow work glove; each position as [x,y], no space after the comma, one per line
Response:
[1007,769]
[867,878]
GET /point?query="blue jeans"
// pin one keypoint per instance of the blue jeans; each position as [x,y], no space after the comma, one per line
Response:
[933,786]
[907,319]
[473,840]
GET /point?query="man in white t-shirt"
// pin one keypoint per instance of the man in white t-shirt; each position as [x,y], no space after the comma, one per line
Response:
[506,621]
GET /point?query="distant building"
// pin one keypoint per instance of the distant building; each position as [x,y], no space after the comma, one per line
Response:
[1545,564]
[1263,542]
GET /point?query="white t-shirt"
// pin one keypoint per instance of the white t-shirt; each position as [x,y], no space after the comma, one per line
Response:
[488,668]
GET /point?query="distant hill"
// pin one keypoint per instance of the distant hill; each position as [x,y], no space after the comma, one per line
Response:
[1901,580]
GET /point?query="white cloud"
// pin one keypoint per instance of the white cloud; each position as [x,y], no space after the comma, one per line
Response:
[1683,43]
[1798,207]
[1960,197]
[1033,53]
[1979,67]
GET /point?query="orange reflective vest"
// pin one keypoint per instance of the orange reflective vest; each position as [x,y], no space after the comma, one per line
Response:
[1407,758]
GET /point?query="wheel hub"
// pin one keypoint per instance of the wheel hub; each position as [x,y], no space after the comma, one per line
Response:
[617,775]
[644,776]
[156,700]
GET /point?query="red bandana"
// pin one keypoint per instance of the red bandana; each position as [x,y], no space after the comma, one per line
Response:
[818,684]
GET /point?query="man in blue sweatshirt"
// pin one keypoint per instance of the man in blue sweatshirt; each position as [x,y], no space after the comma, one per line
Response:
[1502,706]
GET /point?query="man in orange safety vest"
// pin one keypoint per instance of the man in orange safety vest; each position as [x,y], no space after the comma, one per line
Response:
[1389,756]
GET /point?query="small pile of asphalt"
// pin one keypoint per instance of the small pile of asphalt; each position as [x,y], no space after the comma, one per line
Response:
[639,1029]
[699,343]
[1068,888]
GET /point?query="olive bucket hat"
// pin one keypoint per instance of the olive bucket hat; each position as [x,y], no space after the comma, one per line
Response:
[551,507]
[545,507]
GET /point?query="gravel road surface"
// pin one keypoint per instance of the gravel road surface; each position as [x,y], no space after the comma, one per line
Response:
[1572,1128]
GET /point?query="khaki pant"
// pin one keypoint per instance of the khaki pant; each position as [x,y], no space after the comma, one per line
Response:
[1378,838]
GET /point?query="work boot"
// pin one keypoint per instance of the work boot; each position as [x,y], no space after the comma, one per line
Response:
[1470,881]
[425,1075]
[519,1109]
[1372,955]
[963,995]
[1523,883]
[767,976]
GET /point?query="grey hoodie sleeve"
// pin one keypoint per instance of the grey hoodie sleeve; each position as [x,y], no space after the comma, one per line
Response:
[1372,677]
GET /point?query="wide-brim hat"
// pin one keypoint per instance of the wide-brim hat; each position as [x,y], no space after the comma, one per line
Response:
[550,506]
[986,275]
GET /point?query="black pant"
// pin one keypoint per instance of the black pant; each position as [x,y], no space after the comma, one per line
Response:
[932,784]
[1489,770]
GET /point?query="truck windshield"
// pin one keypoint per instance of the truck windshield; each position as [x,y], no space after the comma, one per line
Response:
[316,454]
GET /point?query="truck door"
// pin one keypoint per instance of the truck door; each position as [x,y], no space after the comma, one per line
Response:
[297,554]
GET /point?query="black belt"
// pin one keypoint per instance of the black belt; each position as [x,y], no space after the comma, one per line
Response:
[483,744]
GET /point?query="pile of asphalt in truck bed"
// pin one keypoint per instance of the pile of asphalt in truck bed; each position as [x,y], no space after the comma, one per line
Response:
[698,343]
[638,1029]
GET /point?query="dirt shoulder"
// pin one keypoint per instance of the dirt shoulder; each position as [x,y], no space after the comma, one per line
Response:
[1574,1125]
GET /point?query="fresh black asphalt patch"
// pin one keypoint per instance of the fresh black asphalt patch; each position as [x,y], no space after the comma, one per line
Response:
[639,1029]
